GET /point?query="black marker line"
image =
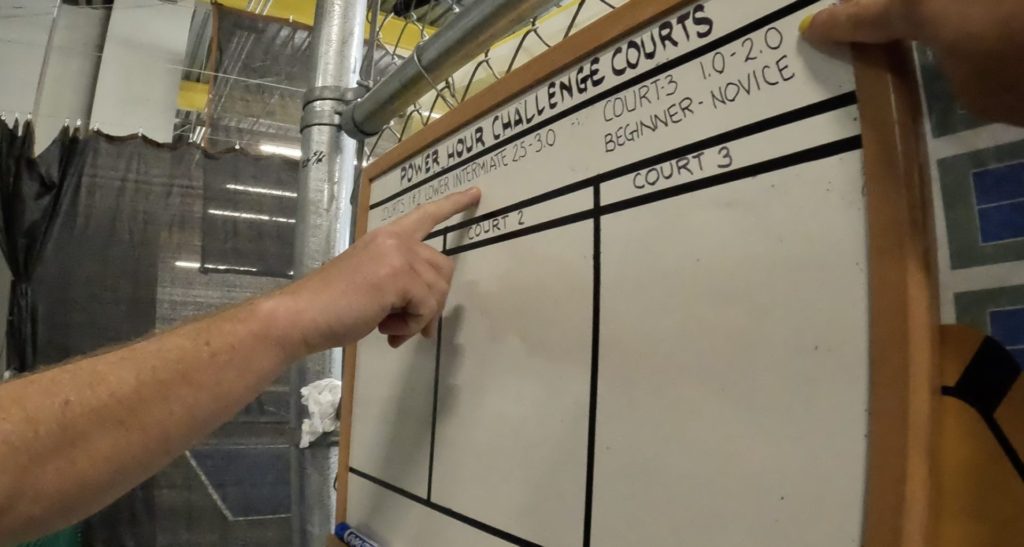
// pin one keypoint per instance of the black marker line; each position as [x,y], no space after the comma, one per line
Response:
[777,121]
[983,385]
[815,153]
[535,229]
[521,204]
[437,380]
[595,344]
[642,77]
[1005,444]
[471,522]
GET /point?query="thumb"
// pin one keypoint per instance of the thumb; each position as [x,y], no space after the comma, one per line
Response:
[863,21]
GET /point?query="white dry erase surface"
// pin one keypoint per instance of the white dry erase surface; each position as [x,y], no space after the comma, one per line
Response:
[658,328]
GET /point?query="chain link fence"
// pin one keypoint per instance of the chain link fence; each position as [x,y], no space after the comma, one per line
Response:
[397,25]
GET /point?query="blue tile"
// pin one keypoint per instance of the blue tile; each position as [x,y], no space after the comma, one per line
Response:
[1007,326]
[1018,354]
[999,184]
[252,482]
[1001,222]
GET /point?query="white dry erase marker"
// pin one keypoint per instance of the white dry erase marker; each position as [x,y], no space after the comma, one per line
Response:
[351,537]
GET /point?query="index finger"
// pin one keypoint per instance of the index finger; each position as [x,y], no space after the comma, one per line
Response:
[422,220]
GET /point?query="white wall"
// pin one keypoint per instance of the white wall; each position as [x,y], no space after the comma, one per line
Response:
[69,74]
[24,31]
[140,73]
[139,62]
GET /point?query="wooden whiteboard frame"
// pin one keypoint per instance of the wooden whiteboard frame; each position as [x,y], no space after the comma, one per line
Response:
[904,320]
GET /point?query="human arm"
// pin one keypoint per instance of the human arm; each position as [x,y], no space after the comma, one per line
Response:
[76,437]
[978,44]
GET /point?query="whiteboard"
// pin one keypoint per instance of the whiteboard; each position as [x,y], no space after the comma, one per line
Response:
[658,330]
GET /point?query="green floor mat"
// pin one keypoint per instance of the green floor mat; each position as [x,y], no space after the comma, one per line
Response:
[71,537]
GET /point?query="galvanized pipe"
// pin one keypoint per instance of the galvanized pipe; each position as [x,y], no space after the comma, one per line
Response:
[322,231]
[469,34]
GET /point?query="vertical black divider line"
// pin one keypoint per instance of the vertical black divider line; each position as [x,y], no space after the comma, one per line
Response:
[437,379]
[595,339]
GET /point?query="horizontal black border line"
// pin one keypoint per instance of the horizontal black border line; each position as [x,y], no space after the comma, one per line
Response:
[808,155]
[815,153]
[796,115]
[538,199]
[483,527]
[658,70]
[559,222]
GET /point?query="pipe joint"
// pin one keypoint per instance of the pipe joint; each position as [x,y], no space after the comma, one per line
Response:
[335,93]
[332,105]
[351,128]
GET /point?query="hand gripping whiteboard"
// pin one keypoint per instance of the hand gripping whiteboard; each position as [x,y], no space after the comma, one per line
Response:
[695,306]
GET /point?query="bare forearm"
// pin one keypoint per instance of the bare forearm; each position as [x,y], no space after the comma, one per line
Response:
[74,438]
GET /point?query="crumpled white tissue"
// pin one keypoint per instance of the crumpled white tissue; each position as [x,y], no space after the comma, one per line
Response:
[322,399]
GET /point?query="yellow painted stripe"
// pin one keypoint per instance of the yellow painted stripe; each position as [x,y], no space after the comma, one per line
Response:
[192,96]
[394,31]
[301,11]
[398,32]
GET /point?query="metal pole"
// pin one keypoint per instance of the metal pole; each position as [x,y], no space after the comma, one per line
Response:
[475,29]
[322,231]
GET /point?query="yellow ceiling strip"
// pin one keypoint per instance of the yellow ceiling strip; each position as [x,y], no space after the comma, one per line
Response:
[192,96]
[397,32]
[300,11]
[394,31]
